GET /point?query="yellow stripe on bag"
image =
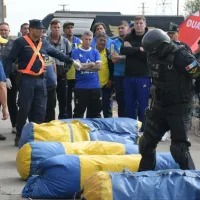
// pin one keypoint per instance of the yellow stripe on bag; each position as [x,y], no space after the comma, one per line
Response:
[111,163]
[80,132]
[94,148]
[139,134]
[139,125]
[98,186]
[23,161]
[55,131]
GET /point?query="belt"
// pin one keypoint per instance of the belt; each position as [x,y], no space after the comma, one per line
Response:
[29,75]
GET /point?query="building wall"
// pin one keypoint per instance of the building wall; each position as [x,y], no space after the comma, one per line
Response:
[1,10]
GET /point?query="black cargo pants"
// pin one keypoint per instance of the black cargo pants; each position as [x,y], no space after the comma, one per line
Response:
[159,120]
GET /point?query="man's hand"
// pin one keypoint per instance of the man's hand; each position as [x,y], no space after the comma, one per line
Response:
[115,57]
[5,113]
[8,83]
[108,84]
[92,64]
[127,44]
[77,64]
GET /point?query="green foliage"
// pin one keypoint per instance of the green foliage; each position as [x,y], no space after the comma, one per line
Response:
[191,6]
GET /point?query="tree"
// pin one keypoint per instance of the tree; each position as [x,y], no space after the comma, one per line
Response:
[191,6]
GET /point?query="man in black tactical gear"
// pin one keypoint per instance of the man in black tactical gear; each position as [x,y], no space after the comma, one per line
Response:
[173,33]
[172,68]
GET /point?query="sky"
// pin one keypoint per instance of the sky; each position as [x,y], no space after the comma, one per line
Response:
[20,11]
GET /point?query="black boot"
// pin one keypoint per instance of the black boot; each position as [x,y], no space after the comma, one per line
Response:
[17,141]
[2,137]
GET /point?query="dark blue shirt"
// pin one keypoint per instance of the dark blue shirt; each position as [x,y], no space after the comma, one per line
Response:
[2,74]
[22,52]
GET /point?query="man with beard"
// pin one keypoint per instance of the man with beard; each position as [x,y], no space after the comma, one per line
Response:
[75,42]
[62,44]
[119,65]
[137,80]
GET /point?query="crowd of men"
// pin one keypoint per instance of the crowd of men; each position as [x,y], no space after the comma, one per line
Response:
[42,68]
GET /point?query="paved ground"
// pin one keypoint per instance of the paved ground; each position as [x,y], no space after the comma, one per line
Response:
[10,183]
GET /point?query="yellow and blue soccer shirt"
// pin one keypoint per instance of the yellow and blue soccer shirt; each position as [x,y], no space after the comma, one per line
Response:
[85,79]
[75,44]
[104,71]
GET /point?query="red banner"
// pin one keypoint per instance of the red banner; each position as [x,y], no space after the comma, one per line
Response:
[190,31]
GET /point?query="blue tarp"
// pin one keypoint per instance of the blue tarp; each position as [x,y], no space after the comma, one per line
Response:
[33,153]
[156,185]
[122,130]
[60,176]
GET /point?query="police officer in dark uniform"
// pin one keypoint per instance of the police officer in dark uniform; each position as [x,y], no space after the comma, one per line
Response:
[172,68]
[30,51]
[173,33]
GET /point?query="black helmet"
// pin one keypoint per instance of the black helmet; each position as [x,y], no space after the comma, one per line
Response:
[153,39]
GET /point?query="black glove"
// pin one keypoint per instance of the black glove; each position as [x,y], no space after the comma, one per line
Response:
[67,67]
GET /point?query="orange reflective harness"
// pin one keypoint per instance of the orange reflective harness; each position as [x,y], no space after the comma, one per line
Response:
[36,52]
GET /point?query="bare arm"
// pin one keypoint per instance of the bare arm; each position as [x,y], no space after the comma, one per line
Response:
[3,100]
[91,67]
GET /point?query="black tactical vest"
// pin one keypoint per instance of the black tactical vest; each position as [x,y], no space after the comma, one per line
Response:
[170,87]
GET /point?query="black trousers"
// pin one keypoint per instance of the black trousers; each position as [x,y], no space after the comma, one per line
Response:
[51,105]
[62,97]
[32,101]
[119,91]
[12,100]
[107,102]
[70,90]
[158,121]
[90,99]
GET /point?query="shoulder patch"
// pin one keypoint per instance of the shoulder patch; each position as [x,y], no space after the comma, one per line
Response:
[190,66]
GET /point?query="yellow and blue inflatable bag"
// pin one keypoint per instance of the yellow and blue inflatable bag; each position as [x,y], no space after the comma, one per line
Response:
[121,130]
[169,184]
[62,176]
[33,153]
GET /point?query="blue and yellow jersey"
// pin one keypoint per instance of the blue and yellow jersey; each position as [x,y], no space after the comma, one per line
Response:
[85,79]
[104,71]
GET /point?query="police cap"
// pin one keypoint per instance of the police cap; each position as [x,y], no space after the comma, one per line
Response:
[67,23]
[36,23]
[173,28]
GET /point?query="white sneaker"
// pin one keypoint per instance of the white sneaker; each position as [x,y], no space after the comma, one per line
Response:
[14,130]
[166,136]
